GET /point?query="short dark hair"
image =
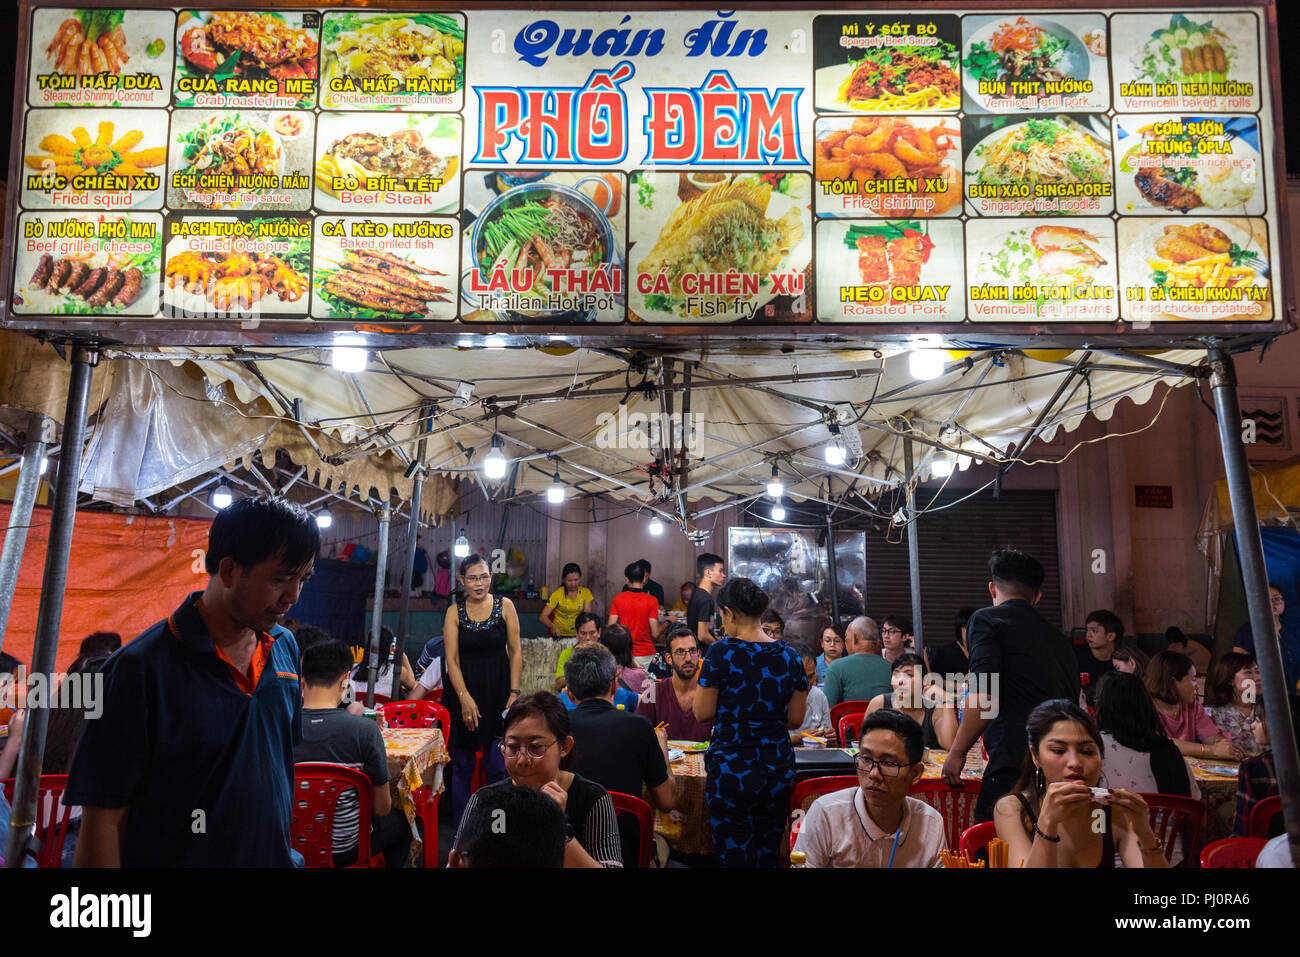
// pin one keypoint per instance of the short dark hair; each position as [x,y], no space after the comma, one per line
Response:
[706,561]
[570,568]
[1166,670]
[325,663]
[512,826]
[770,617]
[1016,572]
[100,643]
[586,616]
[544,705]
[676,631]
[903,725]
[901,622]
[308,635]
[961,619]
[469,561]
[589,671]
[644,563]
[252,530]
[743,597]
[907,660]
[618,640]
[635,572]
[1174,635]
[1109,622]
[805,653]
[1218,691]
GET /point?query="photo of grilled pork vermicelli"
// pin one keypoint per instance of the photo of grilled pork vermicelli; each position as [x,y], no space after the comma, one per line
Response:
[97,287]
[384,282]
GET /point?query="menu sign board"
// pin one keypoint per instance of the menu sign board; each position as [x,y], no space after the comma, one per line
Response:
[342,164]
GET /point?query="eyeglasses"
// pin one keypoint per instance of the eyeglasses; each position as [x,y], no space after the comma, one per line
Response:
[478,579]
[888,768]
[772,631]
[686,653]
[891,631]
[535,750]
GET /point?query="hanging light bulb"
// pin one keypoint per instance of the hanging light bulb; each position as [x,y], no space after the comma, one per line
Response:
[555,491]
[775,489]
[834,451]
[349,352]
[494,464]
[221,496]
[941,466]
[656,527]
[778,512]
[925,363]
[324,519]
[460,548]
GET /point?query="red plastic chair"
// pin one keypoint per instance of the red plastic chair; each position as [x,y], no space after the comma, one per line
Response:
[645,820]
[51,833]
[1172,815]
[316,791]
[976,837]
[1232,852]
[422,714]
[808,790]
[849,728]
[957,807]
[847,707]
[794,833]
[1262,816]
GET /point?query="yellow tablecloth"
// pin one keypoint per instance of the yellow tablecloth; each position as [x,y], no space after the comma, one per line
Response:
[416,757]
[686,827]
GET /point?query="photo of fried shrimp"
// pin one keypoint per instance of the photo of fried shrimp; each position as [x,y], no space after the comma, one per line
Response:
[894,148]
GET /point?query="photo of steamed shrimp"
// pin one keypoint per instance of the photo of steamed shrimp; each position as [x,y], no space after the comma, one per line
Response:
[923,153]
[102,49]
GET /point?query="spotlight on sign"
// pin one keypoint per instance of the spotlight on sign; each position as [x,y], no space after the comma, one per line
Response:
[349,352]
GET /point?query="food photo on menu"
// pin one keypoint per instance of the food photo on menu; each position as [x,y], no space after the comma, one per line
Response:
[720,246]
[84,56]
[87,264]
[887,166]
[1202,60]
[896,64]
[384,268]
[544,245]
[388,162]
[94,159]
[1048,165]
[230,58]
[407,61]
[217,266]
[1045,269]
[890,271]
[240,159]
[1024,63]
[1185,164]
[1195,268]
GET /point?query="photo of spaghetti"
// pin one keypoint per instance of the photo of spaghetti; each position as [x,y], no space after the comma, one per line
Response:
[898,80]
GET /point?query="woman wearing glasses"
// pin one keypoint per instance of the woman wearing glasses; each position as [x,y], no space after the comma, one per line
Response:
[535,745]
[757,691]
[481,638]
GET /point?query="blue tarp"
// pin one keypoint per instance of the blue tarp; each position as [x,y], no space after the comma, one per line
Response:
[335,599]
[1282,559]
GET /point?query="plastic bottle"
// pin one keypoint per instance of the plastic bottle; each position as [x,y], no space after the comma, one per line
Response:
[532,589]
[798,859]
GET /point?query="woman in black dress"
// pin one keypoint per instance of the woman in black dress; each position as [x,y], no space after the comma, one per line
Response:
[484,661]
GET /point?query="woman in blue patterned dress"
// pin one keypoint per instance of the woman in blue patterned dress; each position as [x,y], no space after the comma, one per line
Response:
[754,689]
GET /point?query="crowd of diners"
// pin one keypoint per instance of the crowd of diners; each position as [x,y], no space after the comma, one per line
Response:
[211,709]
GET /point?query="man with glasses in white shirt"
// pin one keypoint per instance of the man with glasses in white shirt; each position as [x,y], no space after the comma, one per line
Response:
[876,824]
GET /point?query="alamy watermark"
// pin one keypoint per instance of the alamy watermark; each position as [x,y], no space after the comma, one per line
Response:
[39,690]
[641,430]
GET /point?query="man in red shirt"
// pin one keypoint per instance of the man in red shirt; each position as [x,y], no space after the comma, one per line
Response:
[638,612]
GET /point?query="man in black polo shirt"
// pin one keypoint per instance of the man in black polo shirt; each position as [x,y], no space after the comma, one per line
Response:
[1019,661]
[191,763]
[701,610]
[619,750]
[1105,631]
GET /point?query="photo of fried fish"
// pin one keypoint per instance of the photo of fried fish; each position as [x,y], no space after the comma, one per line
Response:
[722,230]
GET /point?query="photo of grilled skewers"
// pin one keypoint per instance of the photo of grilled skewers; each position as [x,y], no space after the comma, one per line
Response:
[382,282]
[97,286]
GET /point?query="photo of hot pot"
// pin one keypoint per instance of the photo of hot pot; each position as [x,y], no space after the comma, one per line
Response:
[530,243]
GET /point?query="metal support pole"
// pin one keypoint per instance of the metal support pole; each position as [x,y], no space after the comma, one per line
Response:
[408,569]
[1268,651]
[22,821]
[913,556]
[385,516]
[835,578]
[40,436]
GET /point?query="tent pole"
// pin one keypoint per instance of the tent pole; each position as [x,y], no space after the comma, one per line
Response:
[385,515]
[913,556]
[408,570]
[835,578]
[1268,651]
[22,821]
[40,436]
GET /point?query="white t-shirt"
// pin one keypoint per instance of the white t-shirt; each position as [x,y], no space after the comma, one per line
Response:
[838,832]
[1131,770]
[383,682]
[432,677]
[1276,853]
[818,713]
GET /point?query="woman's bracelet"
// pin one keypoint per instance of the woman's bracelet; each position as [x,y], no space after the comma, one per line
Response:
[1054,840]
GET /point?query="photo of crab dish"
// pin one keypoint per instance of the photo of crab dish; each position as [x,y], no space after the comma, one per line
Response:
[270,58]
